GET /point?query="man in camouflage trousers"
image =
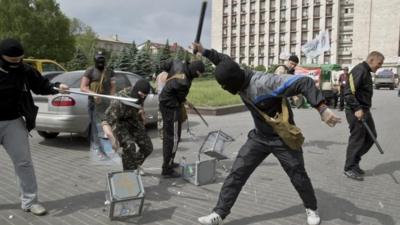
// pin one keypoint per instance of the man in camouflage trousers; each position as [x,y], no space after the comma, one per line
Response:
[124,126]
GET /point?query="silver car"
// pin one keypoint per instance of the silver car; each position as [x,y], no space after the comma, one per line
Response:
[69,112]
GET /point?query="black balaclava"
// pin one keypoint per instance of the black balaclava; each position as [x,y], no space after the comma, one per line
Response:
[143,86]
[230,76]
[195,66]
[100,61]
[11,48]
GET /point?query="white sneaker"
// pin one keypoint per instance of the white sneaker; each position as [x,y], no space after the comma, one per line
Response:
[312,217]
[212,219]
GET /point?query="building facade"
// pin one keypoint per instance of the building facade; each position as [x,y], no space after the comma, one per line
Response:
[260,32]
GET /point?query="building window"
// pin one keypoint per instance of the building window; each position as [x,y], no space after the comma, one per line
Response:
[348,11]
[271,39]
[252,18]
[262,17]
[271,50]
[270,60]
[304,25]
[328,23]
[329,10]
[303,37]
[260,61]
[243,20]
[252,39]
[242,51]
[261,39]
[252,29]
[252,7]
[293,38]
[316,11]
[282,26]
[243,30]
[293,49]
[293,14]
[251,61]
[315,34]
[305,14]
[242,41]
[272,15]
[234,20]
[261,29]
[261,51]
[293,26]
[282,38]
[262,5]
[233,29]
[251,51]
[316,24]
[272,27]
[233,52]
[272,5]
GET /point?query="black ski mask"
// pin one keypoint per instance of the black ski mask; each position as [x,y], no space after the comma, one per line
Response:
[194,67]
[11,48]
[142,86]
[100,61]
[229,76]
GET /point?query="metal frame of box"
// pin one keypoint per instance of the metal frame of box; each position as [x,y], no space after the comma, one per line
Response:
[113,199]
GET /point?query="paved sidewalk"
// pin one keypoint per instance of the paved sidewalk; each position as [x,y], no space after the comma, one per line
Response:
[73,190]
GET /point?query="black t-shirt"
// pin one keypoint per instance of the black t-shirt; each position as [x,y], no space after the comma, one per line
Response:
[9,96]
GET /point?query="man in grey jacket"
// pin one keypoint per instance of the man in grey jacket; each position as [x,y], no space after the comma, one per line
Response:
[265,92]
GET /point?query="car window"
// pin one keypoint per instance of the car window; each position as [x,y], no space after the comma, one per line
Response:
[121,81]
[73,80]
[132,79]
[385,74]
[50,67]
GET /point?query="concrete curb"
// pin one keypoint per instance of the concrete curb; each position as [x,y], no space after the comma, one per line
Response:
[216,111]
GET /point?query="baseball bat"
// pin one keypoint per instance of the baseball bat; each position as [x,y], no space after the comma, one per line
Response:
[200,25]
[372,136]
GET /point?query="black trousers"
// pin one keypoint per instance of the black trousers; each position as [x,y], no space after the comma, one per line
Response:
[172,128]
[341,98]
[251,154]
[359,141]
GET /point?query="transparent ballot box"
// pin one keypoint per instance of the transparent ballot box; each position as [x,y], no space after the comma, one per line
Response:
[124,194]
[198,173]
[213,145]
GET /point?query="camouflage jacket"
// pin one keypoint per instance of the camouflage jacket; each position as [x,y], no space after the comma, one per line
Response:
[118,112]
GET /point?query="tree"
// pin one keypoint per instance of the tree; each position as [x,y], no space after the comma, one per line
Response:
[162,56]
[79,61]
[125,61]
[143,63]
[85,38]
[260,68]
[41,27]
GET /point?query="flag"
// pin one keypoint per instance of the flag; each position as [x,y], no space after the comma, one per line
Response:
[317,46]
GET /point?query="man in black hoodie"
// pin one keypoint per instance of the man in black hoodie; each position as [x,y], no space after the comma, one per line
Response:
[358,95]
[172,100]
[18,114]
[265,94]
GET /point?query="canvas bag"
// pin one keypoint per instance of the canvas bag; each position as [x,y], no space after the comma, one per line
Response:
[289,133]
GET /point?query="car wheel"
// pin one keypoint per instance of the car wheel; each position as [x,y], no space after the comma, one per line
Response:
[47,135]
